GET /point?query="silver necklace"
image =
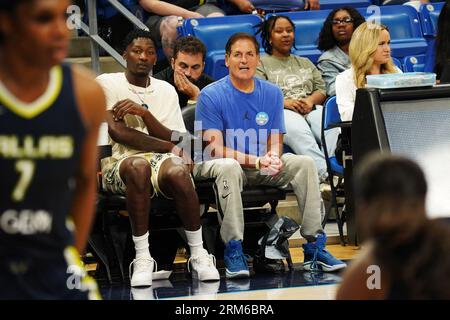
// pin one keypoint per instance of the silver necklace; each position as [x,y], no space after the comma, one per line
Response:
[145,92]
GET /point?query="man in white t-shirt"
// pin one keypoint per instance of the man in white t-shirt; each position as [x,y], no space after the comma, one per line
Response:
[143,116]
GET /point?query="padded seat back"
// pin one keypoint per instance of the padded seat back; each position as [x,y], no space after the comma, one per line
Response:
[414,63]
[214,32]
[429,15]
[404,28]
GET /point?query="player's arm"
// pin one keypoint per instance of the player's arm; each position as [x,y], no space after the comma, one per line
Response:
[216,149]
[92,106]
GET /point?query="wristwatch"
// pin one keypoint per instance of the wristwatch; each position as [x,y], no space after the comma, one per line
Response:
[191,102]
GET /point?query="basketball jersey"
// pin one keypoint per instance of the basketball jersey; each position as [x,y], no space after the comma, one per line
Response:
[40,146]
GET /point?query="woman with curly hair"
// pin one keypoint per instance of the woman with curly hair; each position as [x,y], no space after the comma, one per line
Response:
[303,91]
[334,40]
[401,241]
[370,53]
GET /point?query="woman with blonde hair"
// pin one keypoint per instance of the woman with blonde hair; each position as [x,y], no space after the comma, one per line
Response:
[370,53]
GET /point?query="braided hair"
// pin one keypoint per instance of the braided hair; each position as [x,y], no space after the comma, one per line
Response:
[266,28]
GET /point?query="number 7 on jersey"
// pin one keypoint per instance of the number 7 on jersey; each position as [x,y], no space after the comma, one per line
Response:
[26,171]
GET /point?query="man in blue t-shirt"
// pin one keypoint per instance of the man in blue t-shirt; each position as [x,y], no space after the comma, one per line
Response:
[241,119]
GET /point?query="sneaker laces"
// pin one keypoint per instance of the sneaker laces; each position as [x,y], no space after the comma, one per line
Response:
[319,245]
[204,259]
[237,257]
[142,261]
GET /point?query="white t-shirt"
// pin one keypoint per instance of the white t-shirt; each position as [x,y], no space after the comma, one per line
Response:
[160,97]
[346,94]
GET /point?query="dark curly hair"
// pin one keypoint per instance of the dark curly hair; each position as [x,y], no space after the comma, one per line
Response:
[190,45]
[443,39]
[326,38]
[135,34]
[266,28]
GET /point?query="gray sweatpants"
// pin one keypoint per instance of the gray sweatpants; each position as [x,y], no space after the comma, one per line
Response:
[299,173]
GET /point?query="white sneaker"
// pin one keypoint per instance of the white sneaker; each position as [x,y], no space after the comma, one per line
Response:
[205,288]
[142,293]
[203,267]
[238,284]
[142,272]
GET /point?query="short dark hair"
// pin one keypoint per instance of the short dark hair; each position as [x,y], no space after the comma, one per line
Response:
[326,38]
[266,29]
[385,175]
[135,34]
[9,7]
[238,36]
[190,45]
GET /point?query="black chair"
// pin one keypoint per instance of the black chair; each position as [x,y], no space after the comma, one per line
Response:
[111,242]
[331,117]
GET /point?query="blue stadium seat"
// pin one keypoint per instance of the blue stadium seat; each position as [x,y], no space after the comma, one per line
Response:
[291,5]
[429,14]
[398,63]
[215,32]
[333,4]
[414,63]
[307,29]
[430,56]
[404,27]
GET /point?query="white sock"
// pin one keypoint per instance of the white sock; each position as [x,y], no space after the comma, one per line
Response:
[141,246]
[195,241]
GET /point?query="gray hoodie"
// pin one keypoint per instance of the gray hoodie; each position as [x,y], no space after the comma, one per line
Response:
[331,63]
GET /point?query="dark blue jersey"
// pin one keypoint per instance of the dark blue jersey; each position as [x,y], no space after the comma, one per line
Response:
[40,147]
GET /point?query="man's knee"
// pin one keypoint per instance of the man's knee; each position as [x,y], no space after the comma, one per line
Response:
[168,32]
[177,177]
[298,162]
[168,26]
[229,168]
[136,171]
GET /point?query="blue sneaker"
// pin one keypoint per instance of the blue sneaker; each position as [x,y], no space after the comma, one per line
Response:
[317,258]
[235,261]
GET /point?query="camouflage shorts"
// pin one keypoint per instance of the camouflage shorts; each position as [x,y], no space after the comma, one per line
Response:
[114,183]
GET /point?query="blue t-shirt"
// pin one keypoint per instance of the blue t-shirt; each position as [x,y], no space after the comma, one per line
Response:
[246,119]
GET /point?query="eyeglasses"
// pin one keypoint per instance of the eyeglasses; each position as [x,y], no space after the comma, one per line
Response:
[344,21]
